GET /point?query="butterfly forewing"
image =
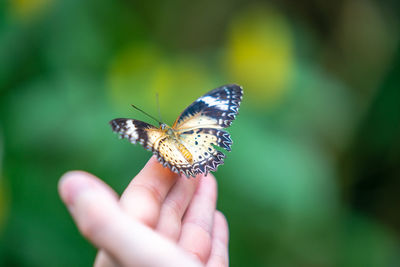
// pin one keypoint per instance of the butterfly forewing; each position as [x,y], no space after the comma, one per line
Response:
[137,132]
[216,109]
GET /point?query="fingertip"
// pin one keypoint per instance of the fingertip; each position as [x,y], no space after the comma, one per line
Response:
[154,168]
[208,185]
[153,160]
[74,182]
[212,180]
[67,176]
[71,184]
[91,203]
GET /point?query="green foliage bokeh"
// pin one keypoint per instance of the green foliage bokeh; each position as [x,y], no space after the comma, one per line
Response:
[313,176]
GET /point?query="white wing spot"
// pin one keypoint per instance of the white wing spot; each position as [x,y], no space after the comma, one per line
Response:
[131,129]
[215,102]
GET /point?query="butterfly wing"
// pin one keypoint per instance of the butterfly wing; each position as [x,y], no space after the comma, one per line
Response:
[202,143]
[193,152]
[173,154]
[200,127]
[216,109]
[138,132]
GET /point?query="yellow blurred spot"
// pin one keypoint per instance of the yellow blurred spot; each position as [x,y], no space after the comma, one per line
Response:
[131,74]
[260,53]
[26,9]
[180,80]
[141,71]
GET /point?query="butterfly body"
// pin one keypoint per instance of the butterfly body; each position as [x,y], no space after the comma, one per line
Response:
[189,146]
[173,136]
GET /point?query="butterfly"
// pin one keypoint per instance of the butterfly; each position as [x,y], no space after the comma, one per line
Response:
[189,146]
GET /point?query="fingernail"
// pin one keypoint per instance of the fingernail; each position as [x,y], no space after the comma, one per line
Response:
[71,185]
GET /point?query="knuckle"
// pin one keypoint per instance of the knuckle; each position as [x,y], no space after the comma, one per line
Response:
[174,207]
[147,219]
[170,230]
[202,224]
[200,256]
[150,190]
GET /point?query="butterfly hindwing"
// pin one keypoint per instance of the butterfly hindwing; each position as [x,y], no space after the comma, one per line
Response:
[202,144]
[169,153]
[217,108]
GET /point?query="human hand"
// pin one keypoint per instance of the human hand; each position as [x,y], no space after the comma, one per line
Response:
[161,219]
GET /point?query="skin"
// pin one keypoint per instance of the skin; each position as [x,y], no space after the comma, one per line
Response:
[161,219]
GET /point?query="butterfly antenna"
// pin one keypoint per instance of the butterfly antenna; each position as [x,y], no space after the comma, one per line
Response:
[158,106]
[135,107]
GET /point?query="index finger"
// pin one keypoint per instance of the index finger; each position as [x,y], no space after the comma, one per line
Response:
[143,197]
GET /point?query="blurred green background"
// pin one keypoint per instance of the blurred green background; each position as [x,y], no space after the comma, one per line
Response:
[313,178]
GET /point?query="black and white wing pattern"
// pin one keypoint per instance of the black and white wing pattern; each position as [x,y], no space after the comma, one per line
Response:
[168,150]
[189,146]
[216,109]
[137,132]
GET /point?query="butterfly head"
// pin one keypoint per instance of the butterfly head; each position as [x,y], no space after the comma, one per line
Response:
[163,126]
[168,130]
